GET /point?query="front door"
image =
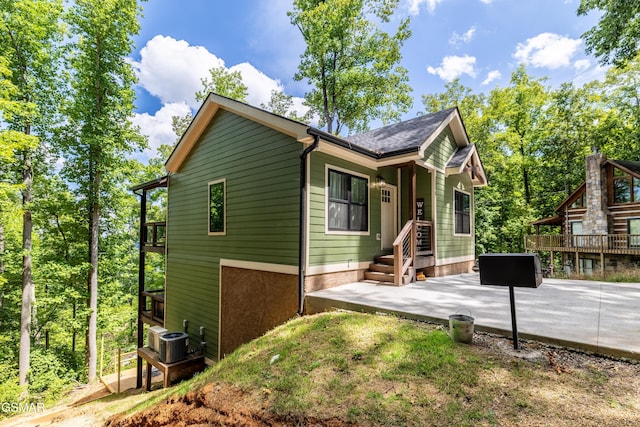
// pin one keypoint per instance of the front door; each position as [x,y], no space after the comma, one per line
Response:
[389,215]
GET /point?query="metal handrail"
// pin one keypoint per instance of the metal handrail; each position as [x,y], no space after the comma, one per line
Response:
[403,252]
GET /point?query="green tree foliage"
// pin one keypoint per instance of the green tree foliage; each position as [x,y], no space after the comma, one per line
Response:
[31,31]
[99,133]
[470,105]
[223,82]
[616,38]
[282,105]
[350,63]
[618,98]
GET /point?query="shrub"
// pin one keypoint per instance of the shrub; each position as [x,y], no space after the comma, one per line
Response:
[48,376]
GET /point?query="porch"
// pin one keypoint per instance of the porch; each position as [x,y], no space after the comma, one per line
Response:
[587,315]
[412,250]
[152,240]
[577,246]
[621,244]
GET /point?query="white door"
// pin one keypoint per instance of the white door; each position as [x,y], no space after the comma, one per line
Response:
[389,215]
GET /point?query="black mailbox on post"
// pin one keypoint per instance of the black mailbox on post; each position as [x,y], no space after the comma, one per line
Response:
[512,270]
[517,270]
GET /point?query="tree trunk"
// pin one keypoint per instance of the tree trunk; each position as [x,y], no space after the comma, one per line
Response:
[28,293]
[73,336]
[92,348]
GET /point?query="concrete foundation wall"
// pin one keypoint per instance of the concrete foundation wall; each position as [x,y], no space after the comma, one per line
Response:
[330,280]
[449,269]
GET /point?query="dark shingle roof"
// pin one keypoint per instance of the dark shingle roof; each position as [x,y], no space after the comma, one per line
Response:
[401,137]
[459,157]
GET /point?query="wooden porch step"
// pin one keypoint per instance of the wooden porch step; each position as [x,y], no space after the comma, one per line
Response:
[381,268]
[384,259]
[385,277]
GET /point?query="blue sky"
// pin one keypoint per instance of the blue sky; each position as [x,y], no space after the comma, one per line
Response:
[479,41]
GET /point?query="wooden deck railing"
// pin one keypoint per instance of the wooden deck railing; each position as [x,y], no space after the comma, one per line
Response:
[623,244]
[155,236]
[152,311]
[415,239]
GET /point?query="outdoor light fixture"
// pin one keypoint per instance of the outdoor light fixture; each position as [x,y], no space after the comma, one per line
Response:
[380,180]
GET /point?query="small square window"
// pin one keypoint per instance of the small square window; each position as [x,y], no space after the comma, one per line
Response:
[217,207]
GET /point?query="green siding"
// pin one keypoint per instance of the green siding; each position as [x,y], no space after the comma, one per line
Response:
[440,151]
[449,244]
[261,168]
[331,248]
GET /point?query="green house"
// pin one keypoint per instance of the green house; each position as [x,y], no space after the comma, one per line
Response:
[263,209]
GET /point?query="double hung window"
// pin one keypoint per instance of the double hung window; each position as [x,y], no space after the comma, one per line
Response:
[347,202]
[462,212]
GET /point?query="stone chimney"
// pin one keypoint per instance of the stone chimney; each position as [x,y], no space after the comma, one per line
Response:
[596,218]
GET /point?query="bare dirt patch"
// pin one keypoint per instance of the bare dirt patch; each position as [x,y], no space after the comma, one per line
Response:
[215,404]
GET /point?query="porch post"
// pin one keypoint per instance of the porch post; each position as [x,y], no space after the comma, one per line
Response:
[141,280]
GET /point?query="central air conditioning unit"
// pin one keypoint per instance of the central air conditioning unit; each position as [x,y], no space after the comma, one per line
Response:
[173,347]
[154,337]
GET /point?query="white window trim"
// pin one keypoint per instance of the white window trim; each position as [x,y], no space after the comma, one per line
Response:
[471,219]
[571,227]
[328,167]
[224,212]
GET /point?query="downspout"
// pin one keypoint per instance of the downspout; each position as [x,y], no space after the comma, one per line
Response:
[302,228]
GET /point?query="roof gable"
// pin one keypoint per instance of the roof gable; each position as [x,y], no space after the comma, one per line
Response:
[466,159]
[209,109]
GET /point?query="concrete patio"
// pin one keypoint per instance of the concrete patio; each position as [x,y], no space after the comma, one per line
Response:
[599,317]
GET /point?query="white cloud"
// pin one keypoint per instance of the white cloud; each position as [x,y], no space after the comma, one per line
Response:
[172,69]
[457,39]
[547,50]
[414,5]
[453,67]
[487,1]
[157,127]
[493,75]
[258,83]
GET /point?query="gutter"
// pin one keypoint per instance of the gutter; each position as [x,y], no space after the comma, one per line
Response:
[302,229]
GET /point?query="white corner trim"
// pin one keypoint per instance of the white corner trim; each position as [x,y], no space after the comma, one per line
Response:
[260,266]
[314,270]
